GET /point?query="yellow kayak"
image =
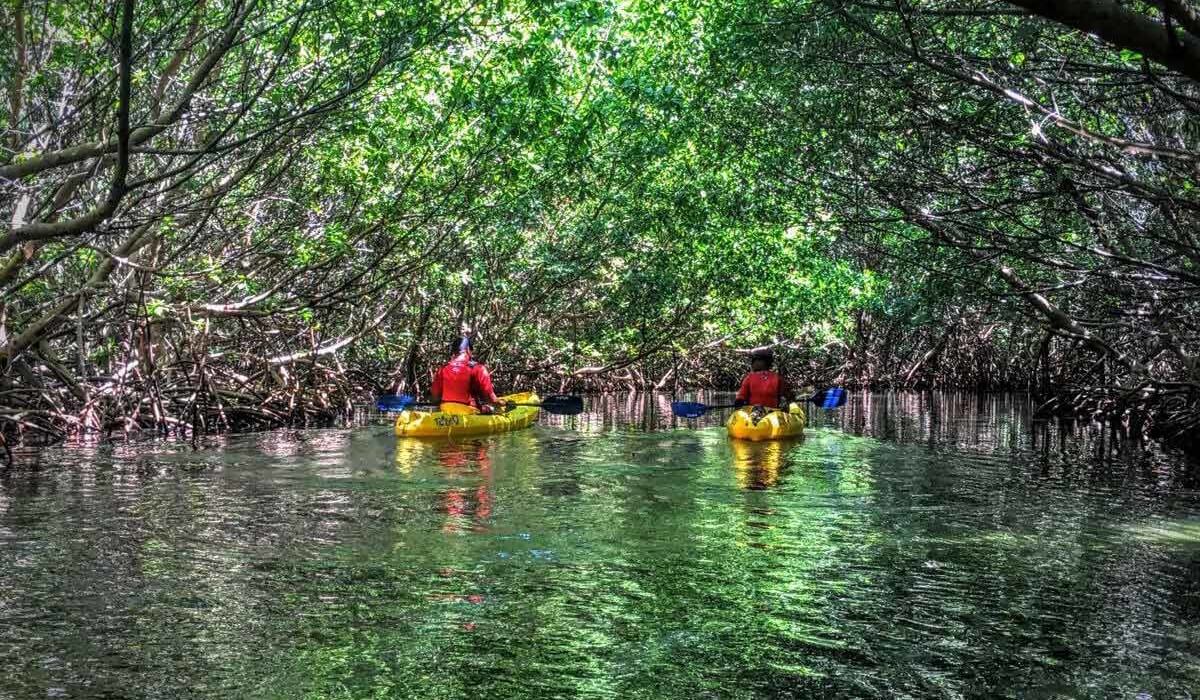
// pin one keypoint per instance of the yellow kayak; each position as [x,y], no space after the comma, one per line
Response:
[454,419]
[775,424]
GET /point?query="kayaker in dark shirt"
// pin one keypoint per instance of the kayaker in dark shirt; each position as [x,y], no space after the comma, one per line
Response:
[464,383]
[763,386]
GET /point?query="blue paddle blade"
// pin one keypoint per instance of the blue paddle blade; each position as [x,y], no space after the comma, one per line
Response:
[394,402]
[831,398]
[688,409]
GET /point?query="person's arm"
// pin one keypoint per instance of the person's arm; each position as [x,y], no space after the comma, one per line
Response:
[436,390]
[786,393]
[743,393]
[483,384]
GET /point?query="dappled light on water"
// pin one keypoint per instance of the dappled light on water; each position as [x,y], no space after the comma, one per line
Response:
[921,546]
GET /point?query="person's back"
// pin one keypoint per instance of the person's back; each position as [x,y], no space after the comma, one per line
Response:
[763,386]
[462,382]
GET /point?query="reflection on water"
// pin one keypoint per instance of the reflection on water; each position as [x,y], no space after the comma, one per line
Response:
[623,412]
[757,465]
[467,467]
[908,546]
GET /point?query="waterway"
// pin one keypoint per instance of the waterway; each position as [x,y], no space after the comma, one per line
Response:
[917,545]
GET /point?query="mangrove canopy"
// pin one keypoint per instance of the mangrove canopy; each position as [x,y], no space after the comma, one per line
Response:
[230,214]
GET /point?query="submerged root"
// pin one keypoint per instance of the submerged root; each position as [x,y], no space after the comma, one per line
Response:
[1169,413]
[167,405]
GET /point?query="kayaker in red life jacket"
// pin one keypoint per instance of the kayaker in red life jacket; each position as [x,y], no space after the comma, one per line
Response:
[763,386]
[463,383]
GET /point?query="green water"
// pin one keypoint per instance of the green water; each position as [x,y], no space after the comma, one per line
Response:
[917,547]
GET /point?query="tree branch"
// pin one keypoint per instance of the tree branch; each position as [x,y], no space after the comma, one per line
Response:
[74,154]
[1124,28]
[16,84]
[118,185]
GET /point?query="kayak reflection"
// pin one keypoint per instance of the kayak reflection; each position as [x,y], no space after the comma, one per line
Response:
[467,465]
[758,465]
[469,506]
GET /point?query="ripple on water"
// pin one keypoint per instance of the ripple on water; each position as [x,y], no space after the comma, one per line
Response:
[592,557]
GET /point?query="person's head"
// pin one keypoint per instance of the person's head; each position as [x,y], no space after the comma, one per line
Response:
[461,343]
[762,360]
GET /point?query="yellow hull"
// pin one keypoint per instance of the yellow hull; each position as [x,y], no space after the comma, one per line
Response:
[775,425]
[456,423]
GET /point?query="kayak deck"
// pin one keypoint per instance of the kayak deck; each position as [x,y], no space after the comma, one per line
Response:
[774,424]
[462,421]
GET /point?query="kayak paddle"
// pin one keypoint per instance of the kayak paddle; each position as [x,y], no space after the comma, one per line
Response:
[561,404]
[396,402]
[827,398]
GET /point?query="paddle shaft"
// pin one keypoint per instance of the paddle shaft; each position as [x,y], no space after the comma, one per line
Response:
[810,399]
[435,404]
[832,397]
[559,404]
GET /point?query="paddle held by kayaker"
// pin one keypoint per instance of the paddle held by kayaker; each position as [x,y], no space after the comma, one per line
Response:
[463,385]
[763,386]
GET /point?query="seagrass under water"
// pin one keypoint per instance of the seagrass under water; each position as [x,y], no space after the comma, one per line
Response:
[911,546]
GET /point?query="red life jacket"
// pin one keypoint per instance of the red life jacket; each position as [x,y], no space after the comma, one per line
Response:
[462,380]
[761,389]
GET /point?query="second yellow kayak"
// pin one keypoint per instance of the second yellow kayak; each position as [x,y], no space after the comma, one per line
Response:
[776,424]
[466,421]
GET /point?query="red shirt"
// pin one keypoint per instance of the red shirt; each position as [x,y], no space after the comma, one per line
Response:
[762,389]
[461,380]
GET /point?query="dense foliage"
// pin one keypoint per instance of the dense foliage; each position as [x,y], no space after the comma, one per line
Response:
[240,212]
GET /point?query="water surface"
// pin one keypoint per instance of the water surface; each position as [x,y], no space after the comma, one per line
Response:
[917,546]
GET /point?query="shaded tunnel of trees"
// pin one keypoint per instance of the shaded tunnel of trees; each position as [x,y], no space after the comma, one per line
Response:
[232,214]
